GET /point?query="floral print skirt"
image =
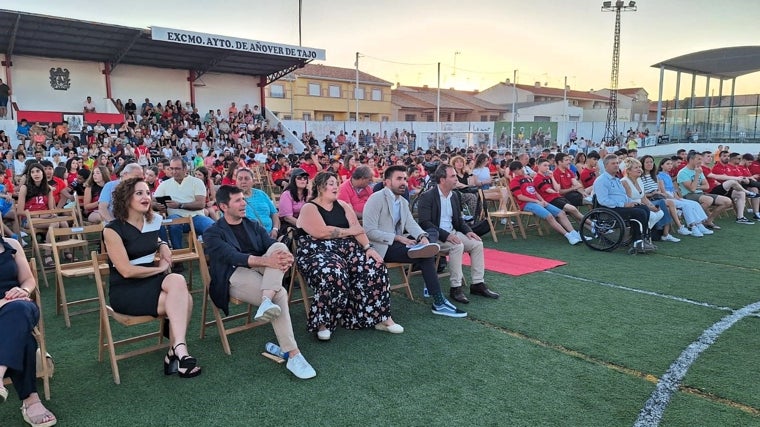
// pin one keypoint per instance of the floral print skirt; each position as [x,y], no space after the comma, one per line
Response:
[350,289]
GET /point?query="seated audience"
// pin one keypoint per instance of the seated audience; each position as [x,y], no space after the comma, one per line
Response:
[693,213]
[140,286]
[549,189]
[92,189]
[293,198]
[610,193]
[659,217]
[247,264]
[528,199]
[569,186]
[693,184]
[440,211]
[18,347]
[335,257]
[356,189]
[394,234]
[259,206]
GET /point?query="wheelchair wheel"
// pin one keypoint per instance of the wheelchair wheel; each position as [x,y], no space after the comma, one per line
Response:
[602,229]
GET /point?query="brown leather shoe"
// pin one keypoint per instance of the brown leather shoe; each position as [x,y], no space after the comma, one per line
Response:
[457,294]
[482,290]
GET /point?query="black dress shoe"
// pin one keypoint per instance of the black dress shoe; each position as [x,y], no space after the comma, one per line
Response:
[482,290]
[458,295]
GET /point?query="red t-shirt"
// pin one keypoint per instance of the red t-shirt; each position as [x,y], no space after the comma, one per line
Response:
[588,176]
[311,169]
[675,170]
[345,173]
[711,183]
[743,171]
[57,186]
[522,185]
[543,184]
[564,178]
[754,168]
[721,169]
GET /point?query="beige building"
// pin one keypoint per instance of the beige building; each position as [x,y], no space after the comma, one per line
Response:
[325,93]
[421,104]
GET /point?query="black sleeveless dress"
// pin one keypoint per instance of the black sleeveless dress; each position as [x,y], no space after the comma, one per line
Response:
[136,297]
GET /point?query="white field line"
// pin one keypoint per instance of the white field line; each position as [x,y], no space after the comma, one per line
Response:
[651,414]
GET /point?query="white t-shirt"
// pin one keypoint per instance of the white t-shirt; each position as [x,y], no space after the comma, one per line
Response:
[182,193]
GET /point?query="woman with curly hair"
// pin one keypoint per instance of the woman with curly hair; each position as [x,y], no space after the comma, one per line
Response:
[140,286]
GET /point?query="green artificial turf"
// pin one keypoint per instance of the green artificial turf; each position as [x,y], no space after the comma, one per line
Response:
[574,346]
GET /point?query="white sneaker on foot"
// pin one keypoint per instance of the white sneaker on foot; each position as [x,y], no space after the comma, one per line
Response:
[696,232]
[324,335]
[684,231]
[704,230]
[267,311]
[300,367]
[670,238]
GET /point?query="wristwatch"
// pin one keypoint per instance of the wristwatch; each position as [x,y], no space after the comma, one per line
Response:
[182,206]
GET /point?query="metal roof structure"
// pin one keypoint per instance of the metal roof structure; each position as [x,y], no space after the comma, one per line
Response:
[29,34]
[723,63]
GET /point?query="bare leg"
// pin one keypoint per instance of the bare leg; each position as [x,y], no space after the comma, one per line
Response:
[177,304]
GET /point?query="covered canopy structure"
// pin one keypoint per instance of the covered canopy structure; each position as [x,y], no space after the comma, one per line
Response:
[722,64]
[55,37]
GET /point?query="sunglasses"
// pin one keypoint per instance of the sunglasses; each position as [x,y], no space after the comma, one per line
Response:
[303,177]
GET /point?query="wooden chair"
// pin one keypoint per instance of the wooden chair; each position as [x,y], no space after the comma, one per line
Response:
[44,220]
[191,252]
[44,371]
[68,270]
[403,268]
[503,212]
[220,321]
[105,337]
[295,275]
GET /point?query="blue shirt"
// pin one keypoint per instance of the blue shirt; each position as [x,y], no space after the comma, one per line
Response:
[23,129]
[259,208]
[107,192]
[609,191]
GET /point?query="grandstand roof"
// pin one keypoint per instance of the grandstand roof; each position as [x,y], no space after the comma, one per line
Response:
[55,37]
[727,63]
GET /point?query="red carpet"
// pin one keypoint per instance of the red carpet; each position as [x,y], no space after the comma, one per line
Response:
[514,264]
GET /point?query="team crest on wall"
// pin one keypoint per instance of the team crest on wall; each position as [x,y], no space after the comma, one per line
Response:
[59,78]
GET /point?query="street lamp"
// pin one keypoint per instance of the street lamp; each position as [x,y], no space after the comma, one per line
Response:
[610,131]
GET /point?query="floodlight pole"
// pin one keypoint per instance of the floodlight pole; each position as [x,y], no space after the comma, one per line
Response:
[356,90]
[514,103]
[610,130]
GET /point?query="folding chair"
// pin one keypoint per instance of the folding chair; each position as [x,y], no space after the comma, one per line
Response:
[59,241]
[105,336]
[191,252]
[402,267]
[44,371]
[44,220]
[219,321]
[295,274]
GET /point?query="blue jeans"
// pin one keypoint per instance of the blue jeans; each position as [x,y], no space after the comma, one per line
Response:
[200,222]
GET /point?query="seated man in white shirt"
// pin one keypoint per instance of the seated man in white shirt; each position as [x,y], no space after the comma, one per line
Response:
[188,198]
[439,209]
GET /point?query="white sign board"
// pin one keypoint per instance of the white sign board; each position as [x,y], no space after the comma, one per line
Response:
[233,43]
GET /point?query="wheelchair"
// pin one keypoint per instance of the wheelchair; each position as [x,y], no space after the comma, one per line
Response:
[603,229]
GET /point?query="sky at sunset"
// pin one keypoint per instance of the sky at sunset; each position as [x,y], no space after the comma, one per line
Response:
[402,41]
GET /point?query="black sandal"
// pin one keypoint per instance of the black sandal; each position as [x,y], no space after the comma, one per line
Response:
[187,365]
[171,363]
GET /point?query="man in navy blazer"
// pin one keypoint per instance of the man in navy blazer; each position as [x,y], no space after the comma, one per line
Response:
[439,209]
[247,264]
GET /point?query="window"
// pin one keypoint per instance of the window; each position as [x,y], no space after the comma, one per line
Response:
[410,117]
[384,118]
[358,93]
[307,116]
[334,91]
[493,118]
[328,117]
[277,91]
[483,118]
[315,89]
[377,95]
[287,117]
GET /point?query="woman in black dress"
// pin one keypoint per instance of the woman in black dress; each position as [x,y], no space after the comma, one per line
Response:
[139,286]
[18,348]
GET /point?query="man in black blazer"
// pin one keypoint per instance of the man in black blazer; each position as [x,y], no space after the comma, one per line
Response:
[439,209]
[247,264]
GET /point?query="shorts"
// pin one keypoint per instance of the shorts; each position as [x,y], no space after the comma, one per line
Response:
[695,197]
[541,211]
[560,202]
[3,101]
[720,191]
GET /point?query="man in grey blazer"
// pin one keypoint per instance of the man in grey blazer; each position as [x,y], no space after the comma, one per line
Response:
[388,222]
[440,210]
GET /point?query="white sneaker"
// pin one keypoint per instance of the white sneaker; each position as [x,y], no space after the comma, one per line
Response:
[684,231]
[503,221]
[696,232]
[324,335]
[572,237]
[704,230]
[267,311]
[300,367]
[670,238]
[24,234]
